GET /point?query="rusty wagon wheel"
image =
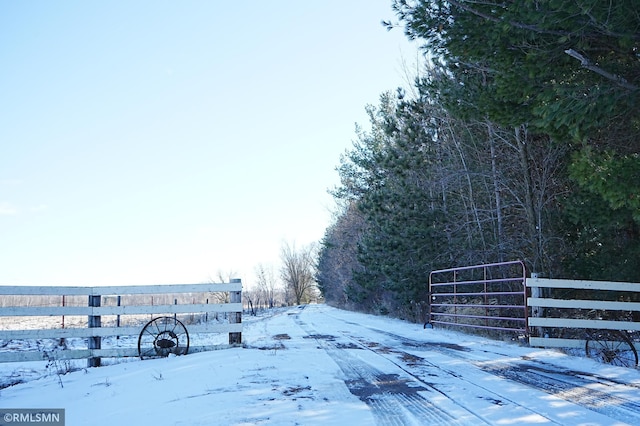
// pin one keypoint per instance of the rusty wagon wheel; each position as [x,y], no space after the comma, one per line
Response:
[611,347]
[163,336]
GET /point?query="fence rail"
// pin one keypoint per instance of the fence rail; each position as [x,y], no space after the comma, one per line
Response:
[95,329]
[547,309]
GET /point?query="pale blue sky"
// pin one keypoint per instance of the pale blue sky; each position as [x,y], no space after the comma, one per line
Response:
[166,141]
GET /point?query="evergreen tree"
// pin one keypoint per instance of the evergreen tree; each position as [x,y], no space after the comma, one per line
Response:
[567,72]
[570,68]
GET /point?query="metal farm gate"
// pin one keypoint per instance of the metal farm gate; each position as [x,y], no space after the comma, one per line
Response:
[490,296]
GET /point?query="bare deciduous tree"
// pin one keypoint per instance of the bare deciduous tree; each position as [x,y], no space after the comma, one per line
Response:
[222,297]
[298,272]
[267,284]
[338,258]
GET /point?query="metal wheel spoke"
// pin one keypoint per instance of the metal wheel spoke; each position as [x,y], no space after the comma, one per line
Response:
[163,336]
[612,347]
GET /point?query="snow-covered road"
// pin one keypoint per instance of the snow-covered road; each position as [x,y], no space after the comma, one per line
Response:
[319,365]
[433,377]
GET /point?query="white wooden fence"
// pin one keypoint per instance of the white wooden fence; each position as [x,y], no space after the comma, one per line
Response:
[542,307]
[95,310]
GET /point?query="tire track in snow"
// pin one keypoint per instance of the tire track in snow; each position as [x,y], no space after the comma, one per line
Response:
[394,399]
[439,379]
[577,390]
[573,386]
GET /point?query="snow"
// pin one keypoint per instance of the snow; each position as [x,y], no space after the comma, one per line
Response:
[315,365]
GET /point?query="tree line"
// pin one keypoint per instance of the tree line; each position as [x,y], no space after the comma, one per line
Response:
[518,140]
[292,284]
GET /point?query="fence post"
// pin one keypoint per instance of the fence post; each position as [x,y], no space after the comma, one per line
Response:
[94,322]
[536,311]
[235,317]
[63,305]
[118,316]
